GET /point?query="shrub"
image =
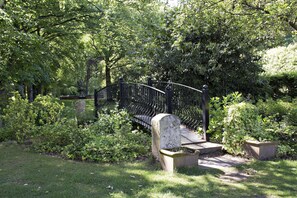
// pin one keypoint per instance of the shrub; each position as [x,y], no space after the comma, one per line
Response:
[52,138]
[112,122]
[292,117]
[19,119]
[218,111]
[241,122]
[110,139]
[48,109]
[277,108]
[283,84]
[114,140]
[117,147]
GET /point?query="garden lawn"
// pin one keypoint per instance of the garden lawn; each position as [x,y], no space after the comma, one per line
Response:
[27,174]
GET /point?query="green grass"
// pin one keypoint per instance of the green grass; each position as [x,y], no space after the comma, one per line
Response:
[70,104]
[70,112]
[27,174]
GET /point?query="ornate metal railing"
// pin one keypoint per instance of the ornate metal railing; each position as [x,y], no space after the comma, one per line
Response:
[188,103]
[145,101]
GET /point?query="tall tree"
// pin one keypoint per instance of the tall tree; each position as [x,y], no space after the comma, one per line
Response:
[33,40]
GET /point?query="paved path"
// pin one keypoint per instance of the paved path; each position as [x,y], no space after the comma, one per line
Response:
[227,163]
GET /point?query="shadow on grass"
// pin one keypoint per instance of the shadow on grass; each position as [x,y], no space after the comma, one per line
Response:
[197,171]
[26,174]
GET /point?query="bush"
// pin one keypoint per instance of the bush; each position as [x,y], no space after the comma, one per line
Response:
[114,140]
[241,123]
[53,138]
[283,84]
[292,117]
[48,109]
[117,147]
[278,108]
[218,111]
[112,122]
[19,119]
[110,139]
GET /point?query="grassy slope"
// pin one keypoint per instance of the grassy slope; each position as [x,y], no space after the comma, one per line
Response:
[27,174]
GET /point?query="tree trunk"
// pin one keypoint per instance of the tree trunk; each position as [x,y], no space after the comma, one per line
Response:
[107,76]
[88,76]
[108,82]
[30,93]
[22,90]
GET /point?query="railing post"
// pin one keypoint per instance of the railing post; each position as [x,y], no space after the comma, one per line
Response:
[205,109]
[150,92]
[96,102]
[168,94]
[121,94]
[149,81]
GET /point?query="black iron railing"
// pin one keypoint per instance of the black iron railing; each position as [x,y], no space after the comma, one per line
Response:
[188,103]
[145,101]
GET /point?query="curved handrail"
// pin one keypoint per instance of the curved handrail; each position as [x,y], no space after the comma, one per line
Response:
[153,88]
[182,85]
[97,91]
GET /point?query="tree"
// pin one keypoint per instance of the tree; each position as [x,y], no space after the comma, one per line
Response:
[202,44]
[34,40]
[121,41]
[280,13]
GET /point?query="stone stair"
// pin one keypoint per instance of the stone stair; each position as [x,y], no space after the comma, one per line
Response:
[205,147]
[193,141]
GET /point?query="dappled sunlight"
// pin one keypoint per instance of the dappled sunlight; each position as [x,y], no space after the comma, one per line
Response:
[70,178]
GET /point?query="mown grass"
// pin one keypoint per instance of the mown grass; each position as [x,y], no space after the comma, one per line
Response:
[27,174]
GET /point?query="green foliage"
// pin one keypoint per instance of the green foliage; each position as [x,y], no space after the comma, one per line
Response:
[292,116]
[112,122]
[114,140]
[241,123]
[110,139]
[277,109]
[117,147]
[48,109]
[270,120]
[218,111]
[283,84]
[208,46]
[19,119]
[52,138]
[280,60]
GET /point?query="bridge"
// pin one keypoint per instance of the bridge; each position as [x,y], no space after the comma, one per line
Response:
[144,101]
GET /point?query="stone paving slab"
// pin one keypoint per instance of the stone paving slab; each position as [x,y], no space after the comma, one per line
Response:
[204,147]
[221,161]
[190,137]
[227,163]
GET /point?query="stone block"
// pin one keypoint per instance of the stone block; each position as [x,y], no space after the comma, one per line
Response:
[260,150]
[166,133]
[171,160]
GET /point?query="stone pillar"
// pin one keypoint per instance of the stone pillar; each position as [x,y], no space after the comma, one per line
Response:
[166,133]
[80,107]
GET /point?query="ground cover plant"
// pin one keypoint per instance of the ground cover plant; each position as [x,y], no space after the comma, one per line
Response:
[27,174]
[110,138]
[234,119]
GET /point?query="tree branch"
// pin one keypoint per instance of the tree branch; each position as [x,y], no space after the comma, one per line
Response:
[282,17]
